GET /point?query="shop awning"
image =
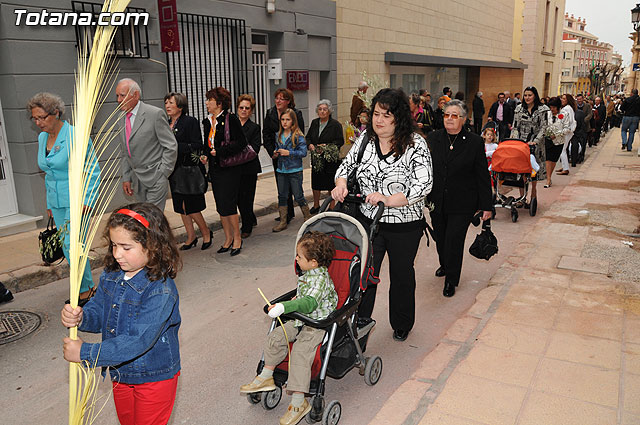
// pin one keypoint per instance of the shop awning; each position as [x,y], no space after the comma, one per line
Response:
[397,58]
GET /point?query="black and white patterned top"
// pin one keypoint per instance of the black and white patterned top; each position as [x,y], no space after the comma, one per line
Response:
[411,174]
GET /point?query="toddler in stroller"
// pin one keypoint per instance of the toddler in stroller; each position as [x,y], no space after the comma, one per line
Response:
[332,247]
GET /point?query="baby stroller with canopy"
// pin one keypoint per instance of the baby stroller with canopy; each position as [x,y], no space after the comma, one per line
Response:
[346,339]
[511,166]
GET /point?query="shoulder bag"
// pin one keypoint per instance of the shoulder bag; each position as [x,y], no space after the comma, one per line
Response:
[50,244]
[188,180]
[247,154]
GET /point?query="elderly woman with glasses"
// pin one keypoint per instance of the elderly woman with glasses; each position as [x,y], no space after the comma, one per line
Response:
[54,142]
[324,140]
[461,189]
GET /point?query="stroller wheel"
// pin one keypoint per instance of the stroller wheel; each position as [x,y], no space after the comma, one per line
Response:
[272,398]
[514,215]
[254,398]
[533,207]
[332,413]
[372,370]
[317,408]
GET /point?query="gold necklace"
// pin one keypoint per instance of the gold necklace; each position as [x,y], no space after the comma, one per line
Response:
[452,142]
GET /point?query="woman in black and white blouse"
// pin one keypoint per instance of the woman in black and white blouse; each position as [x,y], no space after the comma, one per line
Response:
[395,169]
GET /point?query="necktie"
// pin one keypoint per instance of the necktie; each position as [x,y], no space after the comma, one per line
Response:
[127,131]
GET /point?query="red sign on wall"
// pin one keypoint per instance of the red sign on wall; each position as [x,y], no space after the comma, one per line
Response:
[298,80]
[168,22]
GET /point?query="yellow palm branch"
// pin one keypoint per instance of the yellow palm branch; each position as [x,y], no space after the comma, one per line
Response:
[95,70]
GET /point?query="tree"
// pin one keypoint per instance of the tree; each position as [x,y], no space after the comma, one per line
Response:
[603,77]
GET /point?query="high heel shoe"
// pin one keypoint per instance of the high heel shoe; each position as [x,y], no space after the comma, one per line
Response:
[224,249]
[206,245]
[188,246]
[236,251]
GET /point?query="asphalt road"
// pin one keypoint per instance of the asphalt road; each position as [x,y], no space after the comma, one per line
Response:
[223,329]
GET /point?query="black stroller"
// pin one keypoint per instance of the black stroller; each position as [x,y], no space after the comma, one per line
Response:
[346,340]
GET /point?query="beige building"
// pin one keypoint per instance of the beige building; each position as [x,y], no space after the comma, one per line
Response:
[542,44]
[427,44]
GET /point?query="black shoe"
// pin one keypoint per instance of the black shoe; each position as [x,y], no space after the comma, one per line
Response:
[224,249]
[206,245]
[188,246]
[399,335]
[245,235]
[314,210]
[440,272]
[449,289]
[236,251]
[7,296]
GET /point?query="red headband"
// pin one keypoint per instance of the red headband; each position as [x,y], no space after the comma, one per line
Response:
[134,215]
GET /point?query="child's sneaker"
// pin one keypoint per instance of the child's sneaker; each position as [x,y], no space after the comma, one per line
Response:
[258,385]
[295,414]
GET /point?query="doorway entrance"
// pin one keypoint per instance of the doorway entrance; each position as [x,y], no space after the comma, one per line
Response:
[9,205]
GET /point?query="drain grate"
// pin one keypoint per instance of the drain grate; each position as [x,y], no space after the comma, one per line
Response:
[17,324]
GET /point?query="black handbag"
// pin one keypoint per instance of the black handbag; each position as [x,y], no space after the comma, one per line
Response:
[245,155]
[486,244]
[188,180]
[50,244]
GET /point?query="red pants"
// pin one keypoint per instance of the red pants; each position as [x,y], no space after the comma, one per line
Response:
[145,404]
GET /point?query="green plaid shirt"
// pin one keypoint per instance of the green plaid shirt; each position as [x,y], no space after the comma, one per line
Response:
[316,283]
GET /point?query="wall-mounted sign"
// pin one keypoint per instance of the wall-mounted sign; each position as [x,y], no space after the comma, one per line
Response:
[298,80]
[168,23]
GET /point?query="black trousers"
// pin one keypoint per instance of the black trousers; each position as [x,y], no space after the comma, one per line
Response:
[400,242]
[290,210]
[477,125]
[246,196]
[503,130]
[450,232]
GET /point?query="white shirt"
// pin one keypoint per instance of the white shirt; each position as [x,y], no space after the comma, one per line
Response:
[133,112]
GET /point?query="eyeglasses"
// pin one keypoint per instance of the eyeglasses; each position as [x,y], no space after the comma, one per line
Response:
[36,119]
[244,108]
[452,116]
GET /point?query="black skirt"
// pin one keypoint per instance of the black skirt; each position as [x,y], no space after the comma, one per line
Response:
[553,151]
[192,203]
[325,179]
[225,182]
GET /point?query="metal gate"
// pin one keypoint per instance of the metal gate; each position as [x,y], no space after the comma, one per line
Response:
[213,52]
[260,83]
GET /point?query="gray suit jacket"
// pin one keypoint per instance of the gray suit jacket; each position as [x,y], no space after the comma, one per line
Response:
[153,146]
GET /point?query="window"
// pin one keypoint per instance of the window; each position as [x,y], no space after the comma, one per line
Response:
[129,41]
[545,41]
[570,25]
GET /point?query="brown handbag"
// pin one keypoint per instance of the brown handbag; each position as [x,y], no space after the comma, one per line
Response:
[242,157]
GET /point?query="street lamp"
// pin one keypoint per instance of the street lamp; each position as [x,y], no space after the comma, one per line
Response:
[635,17]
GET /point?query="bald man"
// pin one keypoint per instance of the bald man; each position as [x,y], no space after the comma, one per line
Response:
[149,147]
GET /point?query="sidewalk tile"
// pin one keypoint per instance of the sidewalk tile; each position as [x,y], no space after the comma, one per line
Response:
[574,380]
[499,365]
[632,393]
[583,349]
[402,402]
[632,330]
[480,399]
[589,282]
[484,299]
[436,417]
[518,338]
[548,409]
[533,276]
[630,419]
[632,358]
[594,303]
[436,361]
[632,306]
[580,322]
[541,316]
[462,329]
[532,294]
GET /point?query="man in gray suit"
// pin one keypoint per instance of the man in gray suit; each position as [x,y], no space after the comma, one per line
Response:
[149,147]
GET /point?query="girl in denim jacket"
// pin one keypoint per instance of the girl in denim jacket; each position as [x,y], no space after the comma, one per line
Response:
[290,149]
[136,310]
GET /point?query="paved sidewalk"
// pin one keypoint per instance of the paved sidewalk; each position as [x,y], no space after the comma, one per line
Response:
[555,337]
[21,267]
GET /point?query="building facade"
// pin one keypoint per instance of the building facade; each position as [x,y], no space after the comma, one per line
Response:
[427,45]
[223,42]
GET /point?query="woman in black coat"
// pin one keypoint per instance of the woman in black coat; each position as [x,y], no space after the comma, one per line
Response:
[225,181]
[188,197]
[461,187]
[324,140]
[245,106]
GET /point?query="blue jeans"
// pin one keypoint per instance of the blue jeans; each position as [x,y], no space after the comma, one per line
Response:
[629,124]
[290,183]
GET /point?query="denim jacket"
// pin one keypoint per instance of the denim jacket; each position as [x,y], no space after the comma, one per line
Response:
[139,321]
[293,162]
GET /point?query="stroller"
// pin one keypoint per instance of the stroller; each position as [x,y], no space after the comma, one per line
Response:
[511,166]
[346,339]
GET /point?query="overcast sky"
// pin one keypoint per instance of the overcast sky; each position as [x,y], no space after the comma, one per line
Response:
[609,20]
